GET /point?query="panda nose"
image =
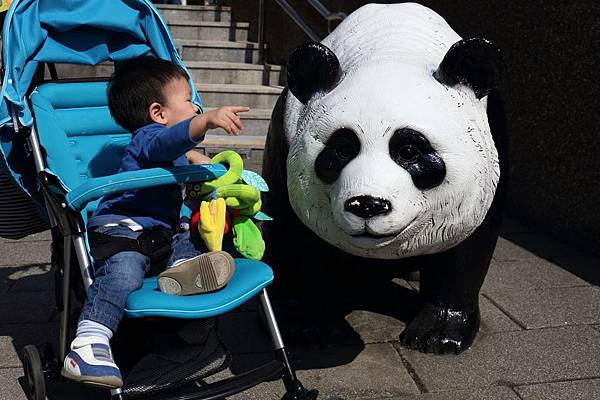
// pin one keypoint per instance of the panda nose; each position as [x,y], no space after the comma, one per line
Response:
[367,206]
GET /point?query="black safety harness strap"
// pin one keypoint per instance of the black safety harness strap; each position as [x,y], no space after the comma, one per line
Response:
[154,243]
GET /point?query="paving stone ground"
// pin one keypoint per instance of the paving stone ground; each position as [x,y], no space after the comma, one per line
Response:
[539,339]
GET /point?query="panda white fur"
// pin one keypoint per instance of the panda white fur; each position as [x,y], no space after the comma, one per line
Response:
[388,145]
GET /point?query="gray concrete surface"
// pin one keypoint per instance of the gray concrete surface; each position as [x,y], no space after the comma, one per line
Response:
[539,340]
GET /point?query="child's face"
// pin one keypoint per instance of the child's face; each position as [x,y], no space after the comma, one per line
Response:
[178,102]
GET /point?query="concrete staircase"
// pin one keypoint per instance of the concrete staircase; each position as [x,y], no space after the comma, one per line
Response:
[224,66]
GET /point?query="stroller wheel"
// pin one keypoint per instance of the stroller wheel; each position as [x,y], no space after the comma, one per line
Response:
[34,373]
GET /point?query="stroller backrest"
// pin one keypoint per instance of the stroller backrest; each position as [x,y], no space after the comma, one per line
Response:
[82,32]
[79,136]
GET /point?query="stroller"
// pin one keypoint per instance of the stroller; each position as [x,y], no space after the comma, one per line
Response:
[59,152]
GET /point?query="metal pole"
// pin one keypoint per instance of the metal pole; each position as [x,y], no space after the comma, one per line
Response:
[38,160]
[261,31]
[85,264]
[317,5]
[66,300]
[298,20]
[271,322]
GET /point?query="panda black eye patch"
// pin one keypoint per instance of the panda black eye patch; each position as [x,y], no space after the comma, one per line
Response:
[413,152]
[343,145]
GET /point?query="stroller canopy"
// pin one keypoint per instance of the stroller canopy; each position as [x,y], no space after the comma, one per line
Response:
[76,32]
[64,32]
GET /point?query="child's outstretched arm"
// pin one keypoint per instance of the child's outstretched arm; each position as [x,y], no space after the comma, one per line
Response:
[175,142]
[225,118]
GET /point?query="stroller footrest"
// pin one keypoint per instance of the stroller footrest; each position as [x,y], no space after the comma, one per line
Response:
[235,384]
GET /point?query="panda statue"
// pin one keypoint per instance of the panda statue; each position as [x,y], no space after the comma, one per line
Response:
[387,153]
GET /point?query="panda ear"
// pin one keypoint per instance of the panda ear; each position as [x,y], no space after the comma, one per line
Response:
[312,68]
[475,62]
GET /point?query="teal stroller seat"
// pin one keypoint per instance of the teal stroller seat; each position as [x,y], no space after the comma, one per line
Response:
[75,147]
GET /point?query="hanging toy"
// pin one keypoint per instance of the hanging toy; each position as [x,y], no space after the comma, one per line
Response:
[212,223]
[247,238]
[195,219]
[237,194]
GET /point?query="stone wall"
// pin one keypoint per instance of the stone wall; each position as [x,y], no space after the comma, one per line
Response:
[551,50]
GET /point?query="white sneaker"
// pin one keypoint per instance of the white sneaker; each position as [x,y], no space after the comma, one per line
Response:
[90,361]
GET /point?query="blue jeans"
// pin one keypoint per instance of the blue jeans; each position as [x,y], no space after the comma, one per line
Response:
[123,273]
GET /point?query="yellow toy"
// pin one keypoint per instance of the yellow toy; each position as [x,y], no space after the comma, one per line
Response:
[230,194]
[4,4]
[212,223]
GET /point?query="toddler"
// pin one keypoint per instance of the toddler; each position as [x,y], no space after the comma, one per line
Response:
[151,98]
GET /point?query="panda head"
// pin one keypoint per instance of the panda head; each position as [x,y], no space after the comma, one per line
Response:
[389,158]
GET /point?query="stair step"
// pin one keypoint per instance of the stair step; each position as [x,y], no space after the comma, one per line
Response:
[207,72]
[173,13]
[235,73]
[216,50]
[251,148]
[256,123]
[209,30]
[249,141]
[253,96]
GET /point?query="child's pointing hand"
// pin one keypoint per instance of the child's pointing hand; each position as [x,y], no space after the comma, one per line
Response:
[226,118]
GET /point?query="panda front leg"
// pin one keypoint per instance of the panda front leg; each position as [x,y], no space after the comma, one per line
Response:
[449,318]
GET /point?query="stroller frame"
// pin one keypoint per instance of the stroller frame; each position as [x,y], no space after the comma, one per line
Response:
[69,224]
[71,127]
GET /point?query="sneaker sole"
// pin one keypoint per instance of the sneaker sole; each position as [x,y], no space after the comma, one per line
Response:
[100,382]
[197,275]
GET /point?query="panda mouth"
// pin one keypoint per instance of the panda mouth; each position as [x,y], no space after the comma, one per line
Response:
[373,236]
[367,238]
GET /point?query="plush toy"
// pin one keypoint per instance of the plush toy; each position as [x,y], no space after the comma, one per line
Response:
[387,152]
[211,224]
[4,5]
[230,200]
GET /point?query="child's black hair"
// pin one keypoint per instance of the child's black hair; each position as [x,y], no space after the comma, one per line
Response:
[135,85]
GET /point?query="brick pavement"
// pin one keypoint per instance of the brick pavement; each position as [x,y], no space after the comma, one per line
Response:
[540,335]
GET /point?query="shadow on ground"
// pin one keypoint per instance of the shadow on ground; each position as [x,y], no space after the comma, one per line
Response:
[30,318]
[585,265]
[329,337]
[312,329]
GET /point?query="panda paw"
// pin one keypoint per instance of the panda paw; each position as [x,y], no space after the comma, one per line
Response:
[441,329]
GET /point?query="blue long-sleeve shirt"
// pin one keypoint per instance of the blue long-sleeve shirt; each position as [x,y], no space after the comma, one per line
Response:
[151,146]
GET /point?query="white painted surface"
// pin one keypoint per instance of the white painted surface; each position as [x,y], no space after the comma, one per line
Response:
[388,54]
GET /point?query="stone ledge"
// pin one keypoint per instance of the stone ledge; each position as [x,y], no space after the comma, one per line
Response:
[230,65]
[215,44]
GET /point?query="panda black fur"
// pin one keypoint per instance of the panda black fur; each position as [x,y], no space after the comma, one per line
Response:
[388,149]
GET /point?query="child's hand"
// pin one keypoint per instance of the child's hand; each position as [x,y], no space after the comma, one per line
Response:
[226,118]
[195,157]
